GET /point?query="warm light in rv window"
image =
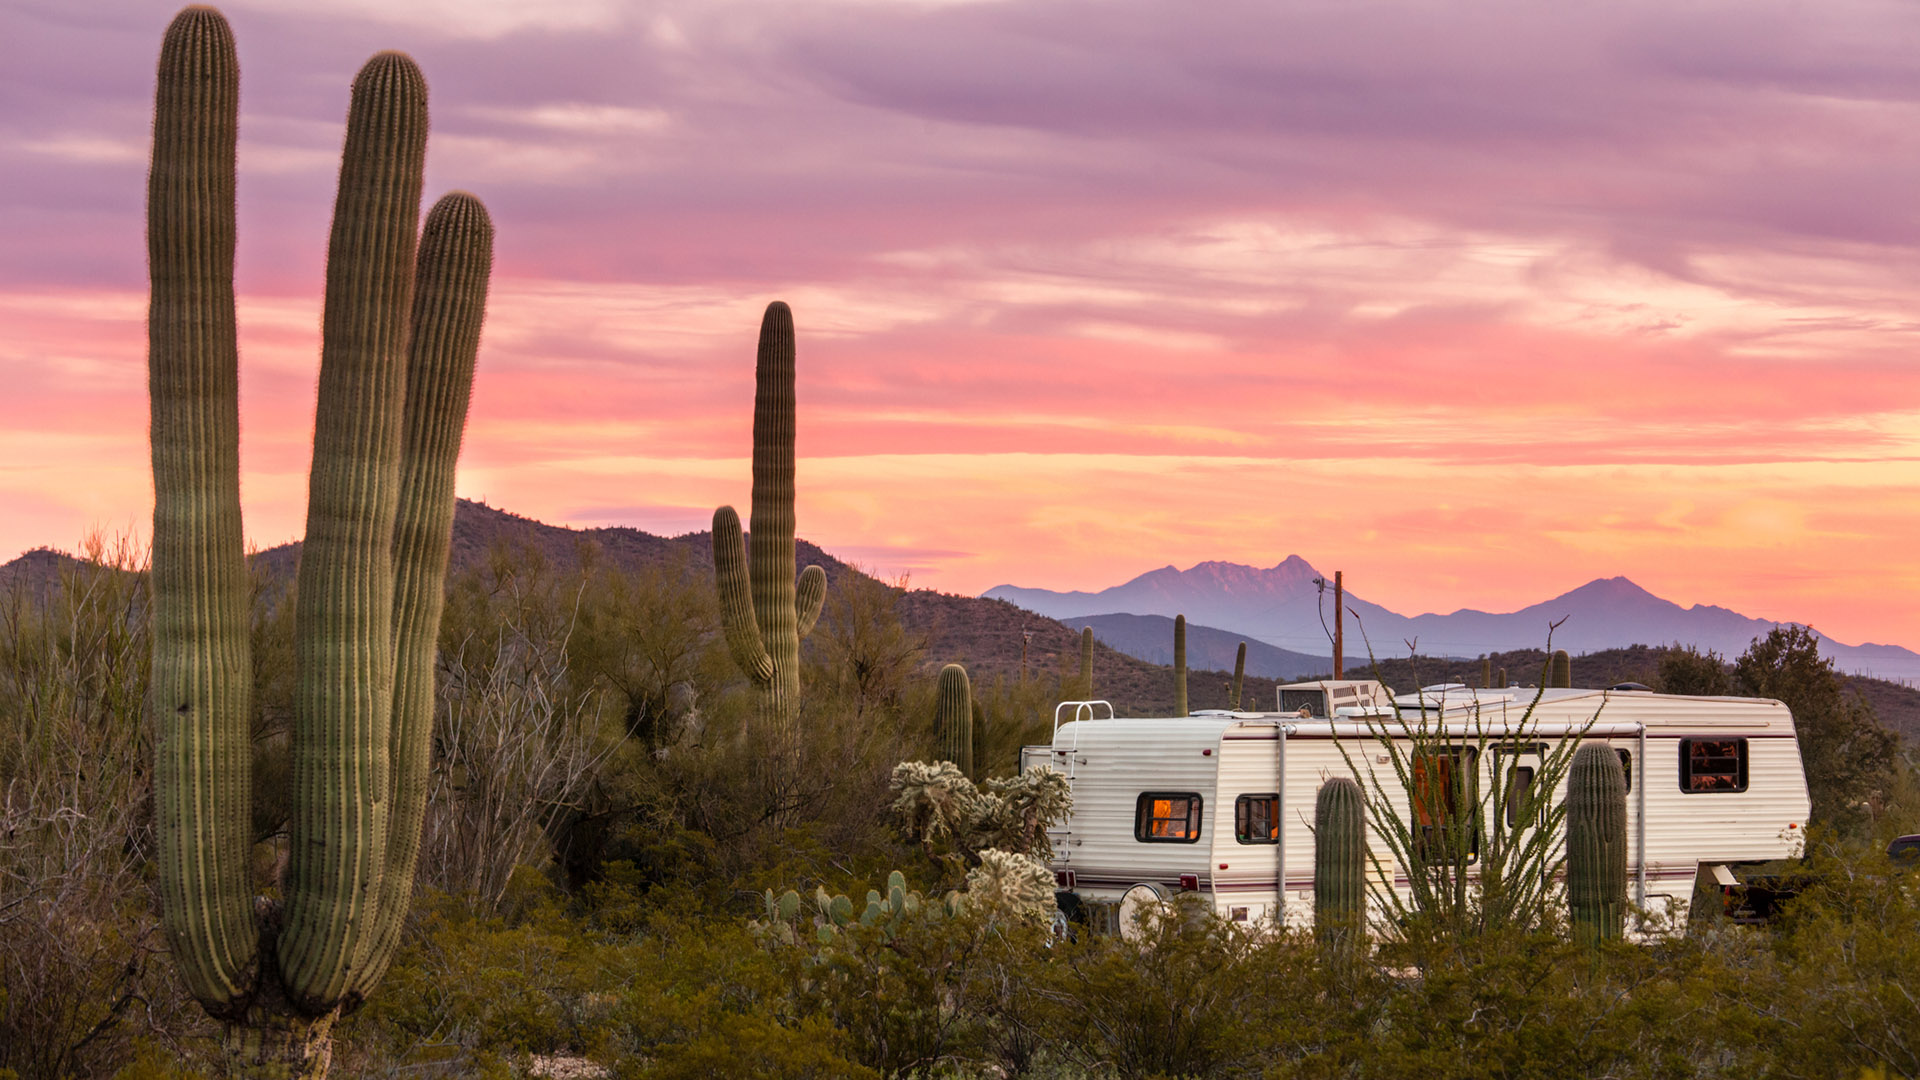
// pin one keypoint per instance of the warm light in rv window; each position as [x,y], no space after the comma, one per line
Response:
[1167,817]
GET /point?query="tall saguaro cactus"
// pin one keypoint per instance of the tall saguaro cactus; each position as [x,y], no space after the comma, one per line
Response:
[1596,843]
[1239,675]
[1339,863]
[1179,665]
[764,611]
[1086,663]
[401,327]
[953,717]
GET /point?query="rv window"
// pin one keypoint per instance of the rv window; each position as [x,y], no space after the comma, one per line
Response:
[1520,795]
[1256,819]
[1713,765]
[1167,817]
[1626,766]
[1517,778]
[1441,809]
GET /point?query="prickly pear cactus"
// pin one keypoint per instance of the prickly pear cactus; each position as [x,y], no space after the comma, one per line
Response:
[1596,843]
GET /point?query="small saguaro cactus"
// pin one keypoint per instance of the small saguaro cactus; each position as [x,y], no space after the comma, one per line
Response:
[1239,676]
[953,717]
[1179,665]
[1596,843]
[400,331]
[763,610]
[1486,673]
[1501,677]
[1560,673]
[1086,663]
[1339,862]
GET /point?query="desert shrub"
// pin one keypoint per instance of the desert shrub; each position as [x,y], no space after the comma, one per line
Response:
[1834,988]
[79,936]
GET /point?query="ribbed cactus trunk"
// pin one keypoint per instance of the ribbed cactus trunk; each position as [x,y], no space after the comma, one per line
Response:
[1596,843]
[1560,670]
[953,717]
[1180,665]
[1239,676]
[1500,678]
[764,611]
[396,372]
[1486,673]
[202,672]
[1086,663]
[1340,867]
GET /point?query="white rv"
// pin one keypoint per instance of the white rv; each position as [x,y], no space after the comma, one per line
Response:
[1221,803]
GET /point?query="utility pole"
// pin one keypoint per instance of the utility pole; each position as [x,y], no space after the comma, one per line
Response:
[1339,639]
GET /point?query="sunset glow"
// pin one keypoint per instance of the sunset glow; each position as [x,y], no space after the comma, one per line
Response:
[1476,304]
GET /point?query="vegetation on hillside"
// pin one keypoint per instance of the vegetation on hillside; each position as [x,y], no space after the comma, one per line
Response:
[596,853]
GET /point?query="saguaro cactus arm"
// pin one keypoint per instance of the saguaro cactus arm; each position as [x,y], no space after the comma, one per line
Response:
[343,623]
[202,676]
[736,598]
[449,304]
[810,595]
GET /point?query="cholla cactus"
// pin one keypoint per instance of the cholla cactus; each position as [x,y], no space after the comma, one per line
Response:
[933,800]
[1016,811]
[1011,886]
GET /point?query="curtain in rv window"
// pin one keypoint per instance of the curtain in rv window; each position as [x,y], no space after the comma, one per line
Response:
[1256,819]
[1442,804]
[1713,765]
[1167,817]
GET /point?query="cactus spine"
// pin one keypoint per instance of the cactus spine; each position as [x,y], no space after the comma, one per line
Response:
[1339,863]
[1086,663]
[953,717]
[1596,843]
[396,371]
[763,610]
[1239,676]
[1560,673]
[1179,665]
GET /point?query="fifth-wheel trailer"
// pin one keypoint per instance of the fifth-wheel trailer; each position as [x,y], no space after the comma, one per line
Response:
[1220,804]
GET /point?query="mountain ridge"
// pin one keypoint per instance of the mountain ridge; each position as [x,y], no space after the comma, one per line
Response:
[1286,608]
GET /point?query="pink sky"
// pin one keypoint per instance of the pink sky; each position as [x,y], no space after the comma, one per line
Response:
[1474,302]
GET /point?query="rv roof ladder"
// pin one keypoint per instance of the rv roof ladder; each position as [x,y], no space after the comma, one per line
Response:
[1082,710]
